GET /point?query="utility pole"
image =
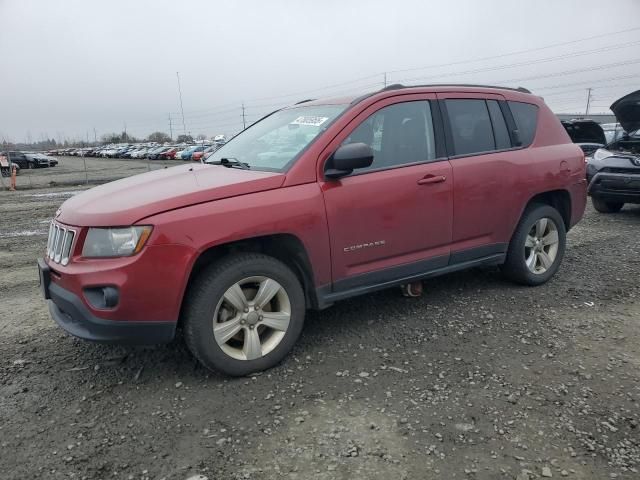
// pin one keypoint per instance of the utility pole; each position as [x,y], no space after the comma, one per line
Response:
[586,110]
[125,131]
[184,128]
[170,128]
[385,79]
[244,120]
[95,136]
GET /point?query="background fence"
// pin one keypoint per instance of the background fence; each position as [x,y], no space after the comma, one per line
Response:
[72,171]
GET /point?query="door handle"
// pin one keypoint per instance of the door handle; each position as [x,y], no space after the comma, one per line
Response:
[429,179]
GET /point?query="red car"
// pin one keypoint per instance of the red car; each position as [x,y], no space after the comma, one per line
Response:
[318,202]
[169,154]
[197,156]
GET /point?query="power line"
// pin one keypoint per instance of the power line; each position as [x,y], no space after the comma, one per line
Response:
[493,57]
[571,72]
[377,75]
[622,77]
[521,64]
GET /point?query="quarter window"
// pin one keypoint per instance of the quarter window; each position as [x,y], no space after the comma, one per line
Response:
[399,134]
[526,117]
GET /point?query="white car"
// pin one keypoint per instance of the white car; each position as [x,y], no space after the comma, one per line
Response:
[140,153]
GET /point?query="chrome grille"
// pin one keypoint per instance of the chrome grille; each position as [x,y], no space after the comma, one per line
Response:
[60,243]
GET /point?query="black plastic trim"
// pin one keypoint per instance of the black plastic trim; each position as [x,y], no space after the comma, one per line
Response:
[614,187]
[390,274]
[69,312]
[403,274]
[478,252]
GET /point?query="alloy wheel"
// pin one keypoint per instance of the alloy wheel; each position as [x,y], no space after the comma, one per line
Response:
[541,246]
[252,318]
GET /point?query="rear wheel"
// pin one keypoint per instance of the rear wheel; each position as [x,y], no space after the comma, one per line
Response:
[244,314]
[603,206]
[537,246]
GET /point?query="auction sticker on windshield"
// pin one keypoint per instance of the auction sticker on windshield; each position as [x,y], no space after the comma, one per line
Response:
[313,121]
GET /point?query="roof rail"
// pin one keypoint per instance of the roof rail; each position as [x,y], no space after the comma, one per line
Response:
[399,86]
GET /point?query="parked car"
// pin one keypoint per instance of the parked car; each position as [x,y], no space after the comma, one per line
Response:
[141,153]
[585,133]
[178,154]
[313,204]
[188,153]
[20,159]
[613,172]
[37,160]
[168,154]
[155,154]
[6,166]
[198,156]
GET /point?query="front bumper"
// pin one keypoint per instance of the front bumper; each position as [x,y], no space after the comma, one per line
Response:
[623,187]
[68,311]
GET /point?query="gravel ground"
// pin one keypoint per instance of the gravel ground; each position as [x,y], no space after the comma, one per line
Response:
[477,379]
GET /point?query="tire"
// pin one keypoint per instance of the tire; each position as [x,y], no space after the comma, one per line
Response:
[206,303]
[533,263]
[603,206]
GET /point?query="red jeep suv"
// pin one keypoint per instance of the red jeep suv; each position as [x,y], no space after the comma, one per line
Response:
[315,203]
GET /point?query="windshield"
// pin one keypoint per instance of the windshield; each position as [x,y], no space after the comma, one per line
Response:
[276,141]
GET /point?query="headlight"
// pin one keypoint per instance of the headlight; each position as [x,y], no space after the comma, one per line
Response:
[601,154]
[115,242]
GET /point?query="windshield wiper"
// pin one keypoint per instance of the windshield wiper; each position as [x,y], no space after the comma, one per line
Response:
[231,162]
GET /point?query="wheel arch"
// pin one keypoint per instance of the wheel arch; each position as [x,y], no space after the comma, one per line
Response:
[285,247]
[558,199]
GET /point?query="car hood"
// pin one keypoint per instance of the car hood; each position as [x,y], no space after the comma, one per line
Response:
[127,201]
[584,131]
[627,111]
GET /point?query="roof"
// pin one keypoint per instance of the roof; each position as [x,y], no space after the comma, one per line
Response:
[397,86]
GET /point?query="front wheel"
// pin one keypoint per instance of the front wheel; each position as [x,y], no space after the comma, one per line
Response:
[537,246]
[603,206]
[243,314]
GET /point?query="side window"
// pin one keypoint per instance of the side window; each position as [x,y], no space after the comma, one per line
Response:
[526,117]
[500,131]
[470,126]
[398,134]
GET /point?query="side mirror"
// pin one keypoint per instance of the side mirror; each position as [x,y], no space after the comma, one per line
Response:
[347,158]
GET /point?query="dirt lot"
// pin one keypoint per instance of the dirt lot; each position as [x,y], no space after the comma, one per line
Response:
[477,379]
[72,171]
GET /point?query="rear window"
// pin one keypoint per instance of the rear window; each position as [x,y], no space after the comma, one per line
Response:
[526,117]
[470,126]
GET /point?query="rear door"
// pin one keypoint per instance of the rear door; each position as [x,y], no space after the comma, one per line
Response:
[393,219]
[485,172]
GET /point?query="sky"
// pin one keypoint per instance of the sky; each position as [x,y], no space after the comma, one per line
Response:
[77,69]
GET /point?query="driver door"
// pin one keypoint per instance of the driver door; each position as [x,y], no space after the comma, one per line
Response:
[392,220]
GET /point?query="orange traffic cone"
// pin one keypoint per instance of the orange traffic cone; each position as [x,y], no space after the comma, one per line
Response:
[12,186]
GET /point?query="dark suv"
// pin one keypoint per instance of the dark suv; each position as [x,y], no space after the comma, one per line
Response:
[613,172]
[18,158]
[315,203]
